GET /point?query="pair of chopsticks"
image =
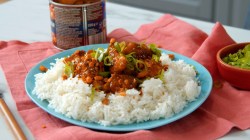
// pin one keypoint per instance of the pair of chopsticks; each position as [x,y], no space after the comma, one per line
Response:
[12,121]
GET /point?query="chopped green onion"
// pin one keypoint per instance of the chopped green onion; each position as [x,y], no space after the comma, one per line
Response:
[139,80]
[155,50]
[130,57]
[92,94]
[131,61]
[93,54]
[140,65]
[99,54]
[69,68]
[117,46]
[107,61]
[96,55]
[161,76]
[130,66]
[104,73]
[155,58]
[122,45]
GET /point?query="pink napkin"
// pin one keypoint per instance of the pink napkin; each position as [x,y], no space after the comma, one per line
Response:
[225,108]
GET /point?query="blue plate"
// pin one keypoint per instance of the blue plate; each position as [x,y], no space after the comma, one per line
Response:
[204,78]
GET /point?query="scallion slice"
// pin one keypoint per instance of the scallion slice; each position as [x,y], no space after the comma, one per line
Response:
[68,68]
[155,50]
[107,61]
[155,58]
[92,94]
[140,65]
[104,73]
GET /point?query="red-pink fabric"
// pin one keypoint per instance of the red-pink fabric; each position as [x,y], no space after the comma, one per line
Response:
[225,108]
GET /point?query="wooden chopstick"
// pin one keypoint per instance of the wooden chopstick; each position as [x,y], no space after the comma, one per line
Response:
[12,121]
[3,1]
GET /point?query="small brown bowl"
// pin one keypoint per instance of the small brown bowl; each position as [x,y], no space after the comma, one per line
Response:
[237,77]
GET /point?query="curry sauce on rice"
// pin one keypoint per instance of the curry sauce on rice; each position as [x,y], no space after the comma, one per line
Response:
[126,83]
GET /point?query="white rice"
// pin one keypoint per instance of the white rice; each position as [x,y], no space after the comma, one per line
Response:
[72,97]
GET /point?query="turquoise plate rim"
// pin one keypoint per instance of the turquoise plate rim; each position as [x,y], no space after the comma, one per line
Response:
[204,78]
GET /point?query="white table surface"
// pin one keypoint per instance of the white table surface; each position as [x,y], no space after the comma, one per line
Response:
[29,21]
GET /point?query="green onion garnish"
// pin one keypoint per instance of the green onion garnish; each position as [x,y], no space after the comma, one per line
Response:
[155,50]
[130,66]
[69,68]
[117,46]
[130,57]
[99,54]
[104,73]
[107,61]
[92,94]
[161,76]
[155,58]
[140,65]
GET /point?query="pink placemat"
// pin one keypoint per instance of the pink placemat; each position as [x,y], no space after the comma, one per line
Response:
[225,108]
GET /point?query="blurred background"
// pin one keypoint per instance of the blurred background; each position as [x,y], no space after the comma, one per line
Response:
[229,12]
